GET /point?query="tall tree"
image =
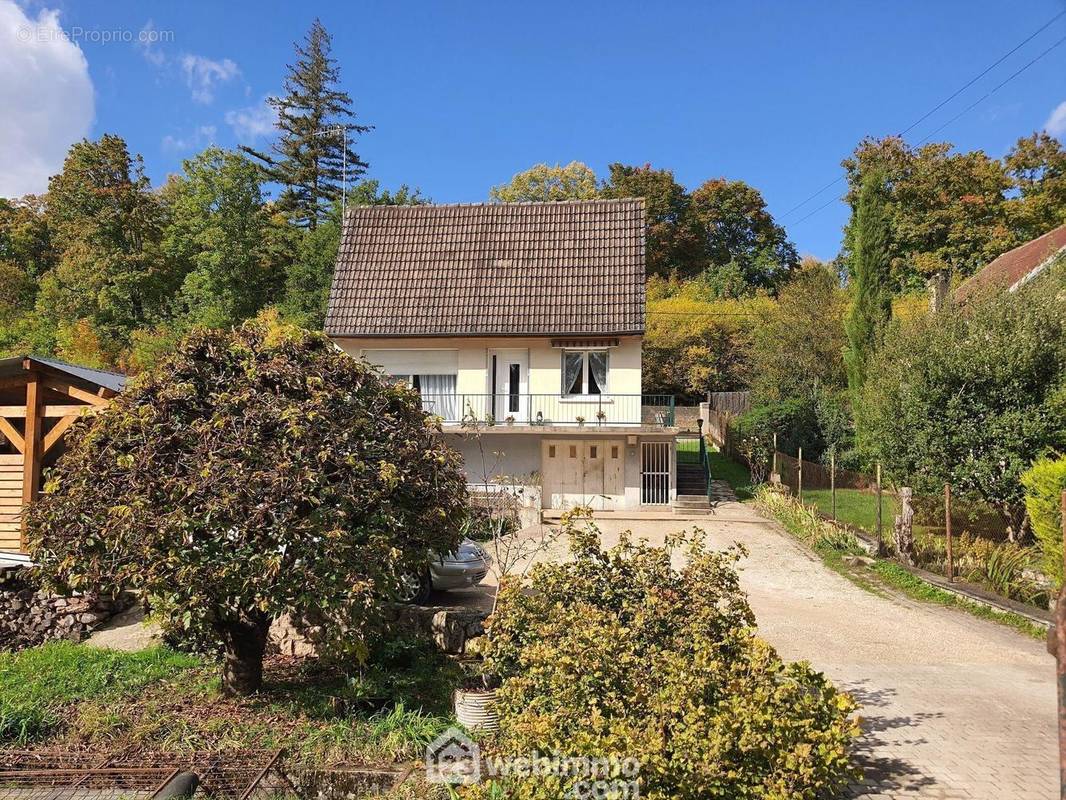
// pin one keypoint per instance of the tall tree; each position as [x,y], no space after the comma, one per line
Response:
[310,157]
[740,235]
[546,183]
[872,305]
[673,238]
[1037,167]
[222,235]
[106,225]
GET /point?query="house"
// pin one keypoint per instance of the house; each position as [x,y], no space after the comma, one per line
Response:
[39,400]
[1015,267]
[521,326]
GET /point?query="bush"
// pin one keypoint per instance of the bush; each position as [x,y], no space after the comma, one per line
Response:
[618,654]
[1044,483]
[252,473]
[795,421]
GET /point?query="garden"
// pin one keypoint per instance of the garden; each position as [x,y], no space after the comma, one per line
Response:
[260,473]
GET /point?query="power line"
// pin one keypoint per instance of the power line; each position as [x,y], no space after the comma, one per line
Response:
[966,110]
[939,106]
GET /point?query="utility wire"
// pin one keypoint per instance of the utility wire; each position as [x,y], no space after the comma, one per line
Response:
[966,110]
[940,105]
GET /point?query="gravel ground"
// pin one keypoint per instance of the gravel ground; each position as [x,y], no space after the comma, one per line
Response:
[953,706]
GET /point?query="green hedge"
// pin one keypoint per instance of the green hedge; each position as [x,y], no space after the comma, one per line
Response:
[1044,483]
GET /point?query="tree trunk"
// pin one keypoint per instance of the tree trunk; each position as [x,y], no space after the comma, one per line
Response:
[1019,529]
[242,668]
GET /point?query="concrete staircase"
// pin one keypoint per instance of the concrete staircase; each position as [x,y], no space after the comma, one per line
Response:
[691,490]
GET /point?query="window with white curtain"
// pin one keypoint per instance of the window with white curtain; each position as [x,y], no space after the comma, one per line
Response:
[438,394]
[584,372]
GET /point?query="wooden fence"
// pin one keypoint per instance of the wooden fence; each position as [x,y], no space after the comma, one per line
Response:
[731,402]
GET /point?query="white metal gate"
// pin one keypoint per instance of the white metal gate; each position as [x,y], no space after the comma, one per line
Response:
[654,473]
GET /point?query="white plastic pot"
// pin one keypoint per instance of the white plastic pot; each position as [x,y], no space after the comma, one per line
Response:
[476,709]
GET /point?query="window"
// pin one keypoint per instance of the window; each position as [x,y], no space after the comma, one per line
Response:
[584,372]
[614,452]
[438,393]
[593,451]
[551,451]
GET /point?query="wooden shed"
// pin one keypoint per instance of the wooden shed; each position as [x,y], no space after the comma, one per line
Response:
[39,399]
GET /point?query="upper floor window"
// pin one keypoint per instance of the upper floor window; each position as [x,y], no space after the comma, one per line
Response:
[584,372]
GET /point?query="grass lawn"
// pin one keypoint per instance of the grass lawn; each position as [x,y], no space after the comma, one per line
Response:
[63,695]
[855,507]
[736,475]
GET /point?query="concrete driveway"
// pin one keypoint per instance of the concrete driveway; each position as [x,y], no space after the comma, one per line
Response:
[953,706]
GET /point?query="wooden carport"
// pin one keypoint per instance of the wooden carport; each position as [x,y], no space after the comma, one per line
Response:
[39,400]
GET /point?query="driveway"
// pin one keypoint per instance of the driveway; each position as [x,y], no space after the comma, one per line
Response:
[953,706]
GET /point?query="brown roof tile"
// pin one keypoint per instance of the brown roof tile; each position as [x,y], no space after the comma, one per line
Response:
[540,269]
[1013,265]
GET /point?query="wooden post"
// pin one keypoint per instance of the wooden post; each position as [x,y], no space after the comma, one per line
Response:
[833,480]
[799,475]
[32,445]
[880,540]
[947,532]
[773,469]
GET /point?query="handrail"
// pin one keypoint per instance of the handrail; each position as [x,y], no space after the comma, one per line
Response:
[528,409]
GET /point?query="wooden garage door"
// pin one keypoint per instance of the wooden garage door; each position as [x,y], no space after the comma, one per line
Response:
[589,472]
[10,502]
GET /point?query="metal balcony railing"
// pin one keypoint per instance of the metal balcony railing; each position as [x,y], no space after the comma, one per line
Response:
[549,410]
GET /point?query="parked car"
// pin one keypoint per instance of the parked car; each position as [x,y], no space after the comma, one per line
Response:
[467,566]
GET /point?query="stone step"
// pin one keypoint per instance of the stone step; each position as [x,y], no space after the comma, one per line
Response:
[692,501]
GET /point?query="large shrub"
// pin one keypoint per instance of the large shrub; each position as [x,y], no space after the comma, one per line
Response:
[618,653]
[972,396]
[251,474]
[1044,483]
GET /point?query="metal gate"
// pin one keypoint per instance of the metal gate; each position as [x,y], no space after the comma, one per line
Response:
[655,473]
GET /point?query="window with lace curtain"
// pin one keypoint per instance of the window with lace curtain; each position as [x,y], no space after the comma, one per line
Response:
[584,372]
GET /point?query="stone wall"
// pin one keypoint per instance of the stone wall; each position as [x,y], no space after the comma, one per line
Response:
[29,616]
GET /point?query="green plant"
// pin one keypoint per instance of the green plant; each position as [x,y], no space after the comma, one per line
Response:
[618,654]
[1044,483]
[253,473]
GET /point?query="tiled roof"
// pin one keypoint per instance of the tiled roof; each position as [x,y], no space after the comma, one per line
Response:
[1014,265]
[540,269]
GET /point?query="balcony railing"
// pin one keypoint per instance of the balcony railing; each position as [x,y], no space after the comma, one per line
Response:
[550,410]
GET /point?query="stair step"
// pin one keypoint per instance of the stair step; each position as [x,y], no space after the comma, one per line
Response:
[692,501]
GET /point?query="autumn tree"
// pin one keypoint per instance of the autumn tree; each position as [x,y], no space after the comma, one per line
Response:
[1037,167]
[311,155]
[871,306]
[106,226]
[252,473]
[739,235]
[673,241]
[26,254]
[543,183]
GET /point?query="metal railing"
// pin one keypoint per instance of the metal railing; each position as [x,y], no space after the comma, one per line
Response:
[549,410]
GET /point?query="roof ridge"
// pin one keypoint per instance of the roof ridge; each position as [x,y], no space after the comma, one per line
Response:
[54,360]
[491,204]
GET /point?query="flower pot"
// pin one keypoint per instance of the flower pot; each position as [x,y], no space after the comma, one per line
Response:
[476,709]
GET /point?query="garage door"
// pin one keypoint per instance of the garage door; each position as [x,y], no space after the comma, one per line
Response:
[590,472]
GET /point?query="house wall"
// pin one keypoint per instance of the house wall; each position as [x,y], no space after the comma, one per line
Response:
[470,355]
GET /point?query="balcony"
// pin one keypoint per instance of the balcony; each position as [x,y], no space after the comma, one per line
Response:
[547,411]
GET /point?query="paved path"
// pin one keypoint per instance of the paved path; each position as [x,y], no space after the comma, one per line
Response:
[953,706]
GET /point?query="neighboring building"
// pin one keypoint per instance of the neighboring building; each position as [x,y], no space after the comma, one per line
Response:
[522,322]
[1015,267]
[39,400]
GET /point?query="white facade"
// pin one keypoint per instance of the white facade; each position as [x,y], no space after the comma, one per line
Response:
[564,419]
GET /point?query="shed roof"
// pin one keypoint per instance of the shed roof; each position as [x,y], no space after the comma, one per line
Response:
[98,377]
[1015,265]
[512,269]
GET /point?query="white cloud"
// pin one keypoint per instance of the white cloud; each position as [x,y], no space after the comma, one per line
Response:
[203,136]
[1056,123]
[252,122]
[203,74]
[46,96]
[147,43]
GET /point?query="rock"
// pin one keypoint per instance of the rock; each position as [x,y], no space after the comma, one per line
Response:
[858,561]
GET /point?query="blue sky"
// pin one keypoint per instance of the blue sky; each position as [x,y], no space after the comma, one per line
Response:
[463,95]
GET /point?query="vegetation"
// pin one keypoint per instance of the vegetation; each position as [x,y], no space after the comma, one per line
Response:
[726,469]
[544,183]
[214,482]
[855,507]
[616,652]
[1044,483]
[972,396]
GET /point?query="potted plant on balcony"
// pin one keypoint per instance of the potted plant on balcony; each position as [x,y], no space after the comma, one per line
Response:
[509,420]
[580,421]
[601,416]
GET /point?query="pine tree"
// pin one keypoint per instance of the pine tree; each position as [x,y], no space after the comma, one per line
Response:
[871,264]
[308,158]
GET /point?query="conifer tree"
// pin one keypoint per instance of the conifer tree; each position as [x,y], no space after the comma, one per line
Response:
[310,156]
[871,265]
